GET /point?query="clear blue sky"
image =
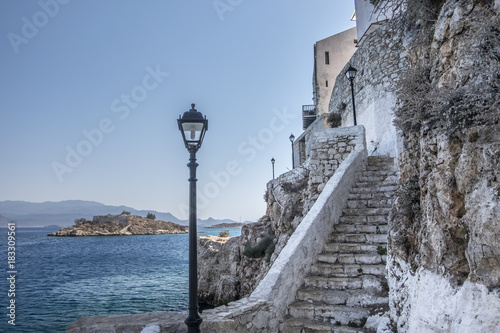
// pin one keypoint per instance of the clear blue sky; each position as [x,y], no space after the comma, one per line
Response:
[91,90]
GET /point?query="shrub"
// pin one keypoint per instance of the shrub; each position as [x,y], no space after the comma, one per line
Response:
[357,324]
[381,250]
[409,195]
[411,11]
[80,221]
[125,213]
[265,246]
[334,119]
[385,285]
[151,216]
[224,233]
[462,103]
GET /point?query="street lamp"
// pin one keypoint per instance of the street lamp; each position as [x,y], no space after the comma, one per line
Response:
[351,74]
[272,162]
[193,127]
[292,138]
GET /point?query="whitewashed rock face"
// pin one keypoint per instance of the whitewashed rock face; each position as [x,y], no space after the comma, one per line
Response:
[444,258]
[225,274]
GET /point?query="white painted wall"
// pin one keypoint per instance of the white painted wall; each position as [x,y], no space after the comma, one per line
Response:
[375,111]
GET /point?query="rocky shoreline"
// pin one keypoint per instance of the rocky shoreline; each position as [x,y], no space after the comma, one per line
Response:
[120,225]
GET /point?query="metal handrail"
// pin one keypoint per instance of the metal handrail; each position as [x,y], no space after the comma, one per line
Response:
[308,115]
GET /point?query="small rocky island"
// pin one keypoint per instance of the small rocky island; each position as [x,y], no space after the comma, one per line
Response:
[120,225]
[228,225]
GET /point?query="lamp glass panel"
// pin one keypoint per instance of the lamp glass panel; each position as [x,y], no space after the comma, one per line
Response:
[351,73]
[192,131]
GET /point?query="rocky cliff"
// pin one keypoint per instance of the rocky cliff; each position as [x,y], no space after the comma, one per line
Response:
[444,250]
[120,225]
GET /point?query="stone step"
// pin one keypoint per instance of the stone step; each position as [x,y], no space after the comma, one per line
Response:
[304,326]
[327,313]
[366,211]
[380,164]
[371,196]
[339,283]
[339,270]
[378,173]
[380,228]
[359,238]
[342,283]
[380,178]
[350,258]
[350,248]
[382,202]
[375,189]
[375,184]
[379,159]
[353,298]
[380,167]
[355,219]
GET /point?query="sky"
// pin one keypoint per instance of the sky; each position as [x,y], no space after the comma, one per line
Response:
[91,92]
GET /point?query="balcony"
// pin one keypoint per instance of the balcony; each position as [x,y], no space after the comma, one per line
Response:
[308,115]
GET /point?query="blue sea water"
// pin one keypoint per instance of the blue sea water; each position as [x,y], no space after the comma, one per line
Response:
[60,279]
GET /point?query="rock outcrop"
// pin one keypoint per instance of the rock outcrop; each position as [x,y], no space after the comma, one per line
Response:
[444,267]
[120,225]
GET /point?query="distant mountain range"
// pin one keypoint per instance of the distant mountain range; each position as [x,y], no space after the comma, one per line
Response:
[64,213]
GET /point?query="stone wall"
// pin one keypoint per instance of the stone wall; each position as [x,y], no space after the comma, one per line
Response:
[299,145]
[379,61]
[325,151]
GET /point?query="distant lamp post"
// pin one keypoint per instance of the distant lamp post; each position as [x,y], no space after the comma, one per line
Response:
[351,74]
[292,139]
[193,127]
[272,162]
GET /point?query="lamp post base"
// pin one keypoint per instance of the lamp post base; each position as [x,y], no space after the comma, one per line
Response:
[193,324]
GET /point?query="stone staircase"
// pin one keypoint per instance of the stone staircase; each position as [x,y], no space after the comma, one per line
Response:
[347,283]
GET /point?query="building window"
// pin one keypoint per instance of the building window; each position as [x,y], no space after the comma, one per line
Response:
[327,83]
[327,58]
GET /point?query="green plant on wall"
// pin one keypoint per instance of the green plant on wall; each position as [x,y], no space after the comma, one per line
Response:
[381,250]
[265,246]
[334,119]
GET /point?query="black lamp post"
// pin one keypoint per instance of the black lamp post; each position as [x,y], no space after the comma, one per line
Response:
[292,139]
[193,127]
[351,74]
[272,162]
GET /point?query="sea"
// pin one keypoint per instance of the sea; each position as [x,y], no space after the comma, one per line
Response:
[50,282]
